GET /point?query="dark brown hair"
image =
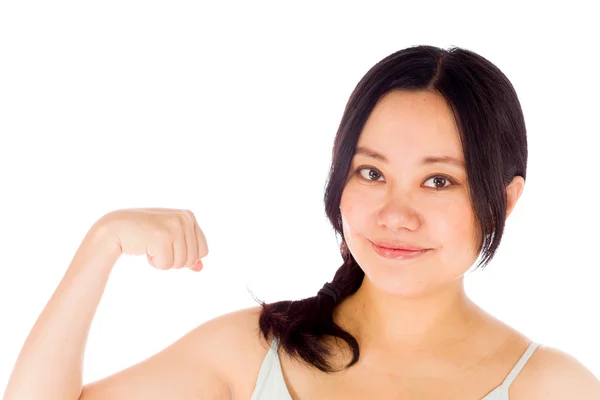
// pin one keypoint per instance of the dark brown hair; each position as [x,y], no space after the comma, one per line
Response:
[494,143]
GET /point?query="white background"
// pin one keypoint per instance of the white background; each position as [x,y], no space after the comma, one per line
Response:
[231,112]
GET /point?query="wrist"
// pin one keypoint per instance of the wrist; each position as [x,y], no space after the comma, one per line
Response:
[103,240]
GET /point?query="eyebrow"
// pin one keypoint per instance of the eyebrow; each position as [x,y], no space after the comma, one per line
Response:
[365,151]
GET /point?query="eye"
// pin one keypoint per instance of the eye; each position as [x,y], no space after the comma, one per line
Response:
[440,180]
[372,174]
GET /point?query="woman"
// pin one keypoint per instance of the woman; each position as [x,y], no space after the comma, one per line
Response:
[428,162]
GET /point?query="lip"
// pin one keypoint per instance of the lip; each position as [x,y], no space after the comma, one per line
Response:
[389,245]
[397,254]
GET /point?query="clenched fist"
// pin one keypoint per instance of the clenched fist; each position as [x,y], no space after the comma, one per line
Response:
[170,238]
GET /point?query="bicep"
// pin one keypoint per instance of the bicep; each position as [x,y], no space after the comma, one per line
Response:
[190,368]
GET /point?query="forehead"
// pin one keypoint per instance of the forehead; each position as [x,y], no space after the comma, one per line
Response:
[419,123]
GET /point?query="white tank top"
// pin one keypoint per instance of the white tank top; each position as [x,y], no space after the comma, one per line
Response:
[270,384]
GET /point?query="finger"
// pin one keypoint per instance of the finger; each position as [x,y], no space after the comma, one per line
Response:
[190,240]
[198,267]
[200,239]
[160,251]
[179,249]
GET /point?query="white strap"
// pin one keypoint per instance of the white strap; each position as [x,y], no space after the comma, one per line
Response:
[520,364]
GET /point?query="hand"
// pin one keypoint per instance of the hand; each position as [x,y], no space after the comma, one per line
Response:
[170,238]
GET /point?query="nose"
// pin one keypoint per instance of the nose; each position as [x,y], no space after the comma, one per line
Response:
[396,215]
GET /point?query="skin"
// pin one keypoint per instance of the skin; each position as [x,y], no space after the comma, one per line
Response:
[419,302]
[420,336]
[412,317]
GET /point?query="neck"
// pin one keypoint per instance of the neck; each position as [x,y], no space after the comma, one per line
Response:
[381,320]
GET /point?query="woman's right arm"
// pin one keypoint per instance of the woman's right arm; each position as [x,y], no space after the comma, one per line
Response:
[50,363]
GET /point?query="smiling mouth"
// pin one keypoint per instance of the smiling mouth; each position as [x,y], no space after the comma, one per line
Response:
[397,254]
[391,246]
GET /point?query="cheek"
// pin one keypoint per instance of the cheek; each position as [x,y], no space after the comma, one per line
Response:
[351,215]
[458,229]
[357,201]
[346,210]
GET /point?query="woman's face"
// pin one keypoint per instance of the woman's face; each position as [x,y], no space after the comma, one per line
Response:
[392,195]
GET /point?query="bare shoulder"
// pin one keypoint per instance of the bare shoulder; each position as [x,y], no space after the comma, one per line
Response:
[210,361]
[235,347]
[555,374]
[244,351]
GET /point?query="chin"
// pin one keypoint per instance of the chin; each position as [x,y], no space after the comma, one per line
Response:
[407,278]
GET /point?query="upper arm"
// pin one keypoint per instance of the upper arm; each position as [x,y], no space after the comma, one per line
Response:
[193,367]
[558,375]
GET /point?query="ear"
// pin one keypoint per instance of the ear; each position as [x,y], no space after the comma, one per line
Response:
[513,192]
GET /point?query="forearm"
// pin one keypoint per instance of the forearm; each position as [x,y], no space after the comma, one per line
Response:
[50,363]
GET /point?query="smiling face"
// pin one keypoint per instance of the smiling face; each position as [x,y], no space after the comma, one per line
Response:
[396,192]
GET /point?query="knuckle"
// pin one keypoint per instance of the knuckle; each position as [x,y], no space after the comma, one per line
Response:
[190,216]
[162,235]
[189,219]
[173,221]
[188,213]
